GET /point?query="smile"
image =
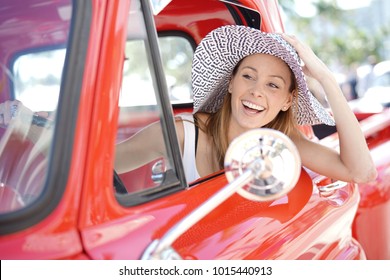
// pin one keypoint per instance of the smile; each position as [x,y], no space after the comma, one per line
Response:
[253,107]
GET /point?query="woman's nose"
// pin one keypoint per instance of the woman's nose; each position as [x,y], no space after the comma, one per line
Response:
[257,91]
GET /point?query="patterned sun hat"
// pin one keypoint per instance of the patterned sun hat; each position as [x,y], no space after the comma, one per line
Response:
[220,51]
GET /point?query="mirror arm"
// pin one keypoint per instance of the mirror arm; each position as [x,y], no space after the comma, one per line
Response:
[160,247]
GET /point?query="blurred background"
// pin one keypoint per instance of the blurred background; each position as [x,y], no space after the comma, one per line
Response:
[353,38]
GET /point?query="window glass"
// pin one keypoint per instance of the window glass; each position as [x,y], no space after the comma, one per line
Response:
[176,54]
[140,112]
[38,87]
[32,51]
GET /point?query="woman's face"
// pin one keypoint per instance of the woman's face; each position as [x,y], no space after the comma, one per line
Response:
[260,89]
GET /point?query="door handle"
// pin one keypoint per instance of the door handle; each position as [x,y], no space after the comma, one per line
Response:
[333,186]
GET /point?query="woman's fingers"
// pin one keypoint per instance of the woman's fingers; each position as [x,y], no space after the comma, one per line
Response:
[11,109]
[311,64]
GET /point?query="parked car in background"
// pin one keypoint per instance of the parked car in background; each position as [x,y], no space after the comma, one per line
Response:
[103,70]
[377,95]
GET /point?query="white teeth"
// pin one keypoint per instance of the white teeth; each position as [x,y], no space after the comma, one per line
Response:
[253,106]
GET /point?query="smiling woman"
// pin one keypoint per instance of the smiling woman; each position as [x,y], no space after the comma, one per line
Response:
[61,196]
[243,79]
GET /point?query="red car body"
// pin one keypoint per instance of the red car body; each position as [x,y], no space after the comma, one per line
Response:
[79,216]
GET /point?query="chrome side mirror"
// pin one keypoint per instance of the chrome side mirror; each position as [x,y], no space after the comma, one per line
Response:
[271,155]
[261,164]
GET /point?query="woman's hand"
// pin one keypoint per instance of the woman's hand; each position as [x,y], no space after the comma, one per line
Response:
[20,120]
[14,112]
[312,65]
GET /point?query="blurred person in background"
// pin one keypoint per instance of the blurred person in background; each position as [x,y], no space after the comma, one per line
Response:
[365,75]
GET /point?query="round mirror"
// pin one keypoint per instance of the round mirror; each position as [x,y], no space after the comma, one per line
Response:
[273,158]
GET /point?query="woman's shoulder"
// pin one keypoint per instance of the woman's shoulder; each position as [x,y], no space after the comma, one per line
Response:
[184,116]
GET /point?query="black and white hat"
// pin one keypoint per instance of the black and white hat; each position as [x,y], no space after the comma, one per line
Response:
[220,51]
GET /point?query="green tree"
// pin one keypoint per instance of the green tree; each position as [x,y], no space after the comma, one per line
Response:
[333,34]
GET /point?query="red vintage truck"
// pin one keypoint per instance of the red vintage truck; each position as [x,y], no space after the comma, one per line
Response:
[101,70]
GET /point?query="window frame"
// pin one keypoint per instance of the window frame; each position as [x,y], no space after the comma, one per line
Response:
[167,120]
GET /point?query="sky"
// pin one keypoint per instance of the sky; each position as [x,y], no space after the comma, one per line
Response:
[353,4]
[305,9]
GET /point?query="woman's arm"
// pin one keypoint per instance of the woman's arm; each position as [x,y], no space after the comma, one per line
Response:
[145,146]
[141,148]
[353,162]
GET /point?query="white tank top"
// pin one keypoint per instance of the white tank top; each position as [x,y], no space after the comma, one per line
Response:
[189,159]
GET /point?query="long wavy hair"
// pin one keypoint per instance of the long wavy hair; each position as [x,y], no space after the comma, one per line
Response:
[217,124]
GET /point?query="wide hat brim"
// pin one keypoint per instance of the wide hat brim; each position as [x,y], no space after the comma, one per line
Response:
[220,51]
